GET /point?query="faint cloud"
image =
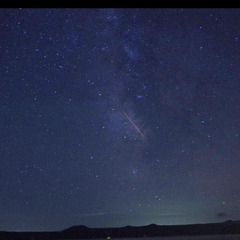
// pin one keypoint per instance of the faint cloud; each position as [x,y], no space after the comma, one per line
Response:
[222,215]
[100,214]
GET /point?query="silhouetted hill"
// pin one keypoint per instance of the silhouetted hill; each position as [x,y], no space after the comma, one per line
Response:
[233,227]
[152,230]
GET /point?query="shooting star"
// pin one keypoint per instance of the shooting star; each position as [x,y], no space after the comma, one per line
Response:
[133,123]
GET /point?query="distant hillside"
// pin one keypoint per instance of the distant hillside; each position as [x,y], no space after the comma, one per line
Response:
[228,227]
[83,232]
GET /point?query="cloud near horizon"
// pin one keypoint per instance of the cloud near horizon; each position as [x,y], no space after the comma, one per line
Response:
[222,215]
[129,215]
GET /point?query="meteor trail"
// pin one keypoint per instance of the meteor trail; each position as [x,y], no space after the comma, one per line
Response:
[133,123]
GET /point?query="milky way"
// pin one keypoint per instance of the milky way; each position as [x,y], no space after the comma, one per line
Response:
[115,117]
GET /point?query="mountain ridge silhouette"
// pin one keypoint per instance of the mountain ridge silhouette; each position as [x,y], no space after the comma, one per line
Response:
[151,230]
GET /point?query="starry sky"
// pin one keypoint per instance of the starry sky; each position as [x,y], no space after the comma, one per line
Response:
[118,116]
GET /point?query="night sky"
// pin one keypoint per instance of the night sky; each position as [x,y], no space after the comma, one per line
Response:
[115,117]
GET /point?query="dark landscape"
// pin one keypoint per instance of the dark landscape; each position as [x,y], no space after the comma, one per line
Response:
[152,230]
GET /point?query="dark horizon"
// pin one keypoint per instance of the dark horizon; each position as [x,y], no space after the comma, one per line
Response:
[152,230]
[229,221]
